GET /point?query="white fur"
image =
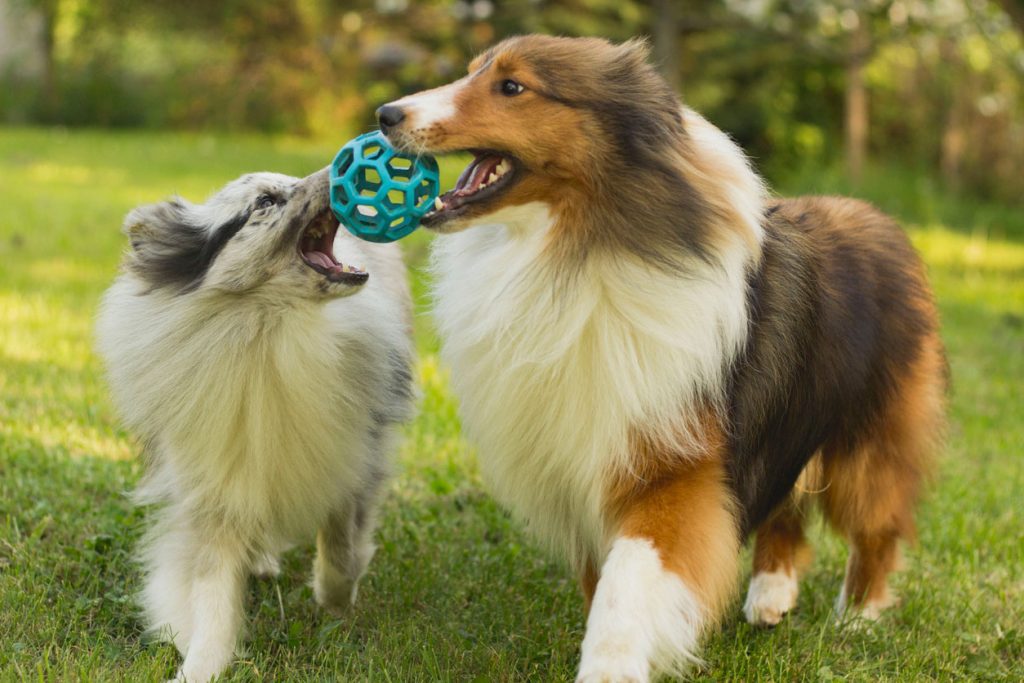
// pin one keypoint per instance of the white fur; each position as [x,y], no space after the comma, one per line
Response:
[261,411]
[867,613]
[552,373]
[770,596]
[644,619]
[430,107]
[739,190]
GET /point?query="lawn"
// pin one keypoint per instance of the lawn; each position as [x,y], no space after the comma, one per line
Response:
[457,592]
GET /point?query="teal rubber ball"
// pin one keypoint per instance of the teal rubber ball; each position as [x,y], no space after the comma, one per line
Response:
[378,193]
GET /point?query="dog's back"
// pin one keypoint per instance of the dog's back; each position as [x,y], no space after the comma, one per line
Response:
[841,313]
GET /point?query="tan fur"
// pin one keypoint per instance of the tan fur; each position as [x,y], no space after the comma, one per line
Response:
[781,545]
[872,493]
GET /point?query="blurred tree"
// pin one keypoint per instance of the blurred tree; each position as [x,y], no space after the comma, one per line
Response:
[1015,10]
[666,41]
[797,82]
[49,11]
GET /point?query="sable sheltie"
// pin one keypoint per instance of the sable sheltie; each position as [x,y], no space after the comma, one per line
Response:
[265,373]
[650,351]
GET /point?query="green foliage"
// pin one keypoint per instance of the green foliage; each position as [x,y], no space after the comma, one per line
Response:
[457,591]
[944,79]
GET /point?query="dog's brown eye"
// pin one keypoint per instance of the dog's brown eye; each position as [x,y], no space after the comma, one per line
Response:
[264,202]
[510,88]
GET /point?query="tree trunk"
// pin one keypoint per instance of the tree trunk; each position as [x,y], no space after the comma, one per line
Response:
[954,135]
[1015,10]
[48,10]
[856,101]
[666,41]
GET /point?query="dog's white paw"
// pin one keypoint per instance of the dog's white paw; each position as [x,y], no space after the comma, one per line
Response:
[863,616]
[770,596]
[611,670]
[267,566]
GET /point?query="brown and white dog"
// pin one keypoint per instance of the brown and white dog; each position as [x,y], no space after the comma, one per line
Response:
[650,351]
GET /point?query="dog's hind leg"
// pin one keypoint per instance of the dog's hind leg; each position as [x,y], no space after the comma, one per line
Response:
[220,563]
[780,553]
[345,546]
[266,565]
[870,491]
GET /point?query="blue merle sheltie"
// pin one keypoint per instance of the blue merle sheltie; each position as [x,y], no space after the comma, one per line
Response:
[263,357]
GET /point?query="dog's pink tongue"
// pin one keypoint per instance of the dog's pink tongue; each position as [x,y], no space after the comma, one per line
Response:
[478,171]
[320,258]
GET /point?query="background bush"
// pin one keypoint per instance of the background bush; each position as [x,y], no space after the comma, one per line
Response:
[939,81]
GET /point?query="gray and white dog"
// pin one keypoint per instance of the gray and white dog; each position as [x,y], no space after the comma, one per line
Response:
[266,375]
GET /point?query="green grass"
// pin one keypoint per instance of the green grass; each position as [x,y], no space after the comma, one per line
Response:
[456,592]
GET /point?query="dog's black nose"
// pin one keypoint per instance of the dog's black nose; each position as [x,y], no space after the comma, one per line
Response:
[389,116]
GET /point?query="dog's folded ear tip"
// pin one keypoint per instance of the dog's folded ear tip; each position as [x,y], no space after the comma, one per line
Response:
[149,217]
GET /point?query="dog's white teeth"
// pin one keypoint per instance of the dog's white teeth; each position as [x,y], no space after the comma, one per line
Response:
[504,167]
[491,178]
[438,204]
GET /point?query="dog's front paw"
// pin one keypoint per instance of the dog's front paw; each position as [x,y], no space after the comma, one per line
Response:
[612,675]
[615,664]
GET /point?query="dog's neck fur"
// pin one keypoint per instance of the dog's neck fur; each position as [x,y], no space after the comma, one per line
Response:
[554,373]
[557,367]
[248,396]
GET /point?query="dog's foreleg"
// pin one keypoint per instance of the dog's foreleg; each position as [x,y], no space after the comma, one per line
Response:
[216,603]
[166,594]
[666,578]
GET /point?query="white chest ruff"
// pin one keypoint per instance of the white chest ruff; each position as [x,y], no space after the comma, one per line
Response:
[553,373]
[265,421]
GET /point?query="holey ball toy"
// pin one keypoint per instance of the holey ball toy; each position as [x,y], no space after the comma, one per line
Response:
[379,193]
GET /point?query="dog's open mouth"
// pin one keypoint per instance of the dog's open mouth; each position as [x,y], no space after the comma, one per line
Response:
[316,247]
[489,174]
